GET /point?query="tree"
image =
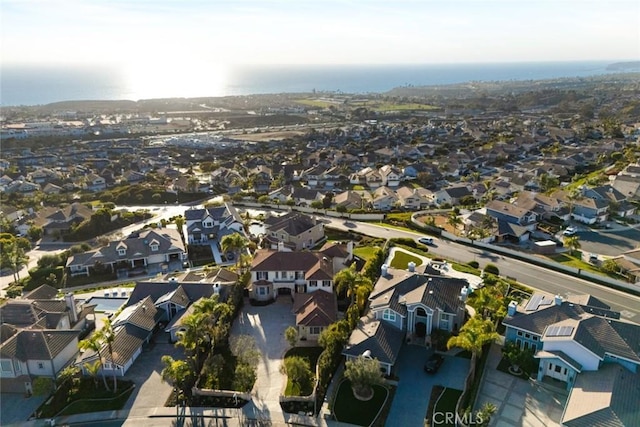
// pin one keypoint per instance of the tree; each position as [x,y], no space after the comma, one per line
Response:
[67,374]
[298,370]
[94,344]
[610,266]
[193,338]
[474,335]
[244,348]
[454,221]
[234,243]
[107,335]
[517,356]
[42,386]
[291,335]
[179,374]
[356,285]
[572,242]
[35,232]
[364,373]
[93,369]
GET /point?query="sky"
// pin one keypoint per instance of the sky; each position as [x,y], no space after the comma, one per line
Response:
[112,32]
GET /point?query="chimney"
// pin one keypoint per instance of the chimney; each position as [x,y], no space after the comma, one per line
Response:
[383,269]
[464,292]
[280,246]
[216,288]
[411,266]
[350,249]
[71,303]
[511,309]
[557,299]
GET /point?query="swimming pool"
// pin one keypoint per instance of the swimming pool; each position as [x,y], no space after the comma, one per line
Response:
[106,304]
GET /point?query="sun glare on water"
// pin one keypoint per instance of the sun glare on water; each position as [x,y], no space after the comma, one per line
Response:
[179,79]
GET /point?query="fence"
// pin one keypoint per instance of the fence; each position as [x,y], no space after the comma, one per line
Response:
[309,210]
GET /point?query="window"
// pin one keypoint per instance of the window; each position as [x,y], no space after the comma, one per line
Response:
[262,275]
[527,336]
[535,338]
[315,330]
[389,315]
[557,368]
[313,283]
[326,283]
[154,247]
[5,365]
[122,251]
[40,365]
[208,224]
[519,333]
[262,290]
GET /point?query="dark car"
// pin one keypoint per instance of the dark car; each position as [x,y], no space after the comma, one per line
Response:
[433,363]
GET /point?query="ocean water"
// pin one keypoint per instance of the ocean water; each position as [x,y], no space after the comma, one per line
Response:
[41,85]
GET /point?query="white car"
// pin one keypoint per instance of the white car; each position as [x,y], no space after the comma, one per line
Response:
[570,231]
[426,241]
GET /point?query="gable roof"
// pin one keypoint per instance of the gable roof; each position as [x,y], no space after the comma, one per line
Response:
[42,292]
[41,344]
[293,223]
[317,308]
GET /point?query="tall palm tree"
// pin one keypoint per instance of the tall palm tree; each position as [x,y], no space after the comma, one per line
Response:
[454,221]
[95,345]
[235,243]
[572,242]
[107,335]
[474,335]
[356,286]
[93,369]
[194,337]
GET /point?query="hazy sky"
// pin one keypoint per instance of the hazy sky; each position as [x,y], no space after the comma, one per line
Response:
[316,32]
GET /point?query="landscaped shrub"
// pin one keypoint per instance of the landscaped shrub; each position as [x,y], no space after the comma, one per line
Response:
[473,264]
[492,269]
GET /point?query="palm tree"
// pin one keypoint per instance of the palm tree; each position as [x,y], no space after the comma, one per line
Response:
[474,335]
[357,286]
[107,335]
[95,345]
[179,374]
[93,369]
[193,337]
[179,220]
[454,221]
[572,242]
[235,243]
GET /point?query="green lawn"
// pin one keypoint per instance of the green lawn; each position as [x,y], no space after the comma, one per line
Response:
[309,353]
[77,400]
[348,409]
[447,404]
[575,262]
[402,259]
[365,252]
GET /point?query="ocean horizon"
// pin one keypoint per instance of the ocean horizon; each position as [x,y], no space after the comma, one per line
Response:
[31,85]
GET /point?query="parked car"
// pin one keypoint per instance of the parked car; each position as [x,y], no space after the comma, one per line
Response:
[570,231]
[426,241]
[433,363]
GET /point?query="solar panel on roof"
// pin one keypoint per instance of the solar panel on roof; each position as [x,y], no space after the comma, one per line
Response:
[559,331]
[534,302]
[552,331]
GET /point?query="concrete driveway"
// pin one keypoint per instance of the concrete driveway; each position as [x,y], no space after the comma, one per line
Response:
[410,403]
[15,408]
[609,242]
[150,391]
[267,325]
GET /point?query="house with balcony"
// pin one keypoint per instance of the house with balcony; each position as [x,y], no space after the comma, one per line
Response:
[276,273]
[293,231]
[147,252]
[406,305]
[581,342]
[211,224]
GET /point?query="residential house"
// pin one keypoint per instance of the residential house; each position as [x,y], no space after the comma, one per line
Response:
[94,183]
[384,199]
[409,198]
[580,341]
[618,202]
[262,177]
[349,200]
[132,329]
[629,264]
[211,224]
[314,312]
[294,231]
[512,214]
[544,206]
[406,305]
[61,220]
[150,251]
[391,176]
[451,196]
[39,337]
[276,273]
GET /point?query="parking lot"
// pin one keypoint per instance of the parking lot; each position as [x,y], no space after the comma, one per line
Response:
[410,403]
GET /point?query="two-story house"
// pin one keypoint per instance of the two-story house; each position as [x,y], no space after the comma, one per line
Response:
[211,224]
[391,176]
[293,231]
[150,251]
[276,273]
[406,305]
[61,220]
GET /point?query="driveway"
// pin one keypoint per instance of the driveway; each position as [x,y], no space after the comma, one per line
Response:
[267,325]
[409,406]
[609,242]
[150,391]
[15,408]
[519,402]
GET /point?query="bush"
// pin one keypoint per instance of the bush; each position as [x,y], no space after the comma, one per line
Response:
[492,269]
[473,264]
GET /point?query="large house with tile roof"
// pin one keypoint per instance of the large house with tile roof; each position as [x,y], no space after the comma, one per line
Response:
[314,313]
[39,337]
[580,341]
[150,251]
[293,231]
[409,305]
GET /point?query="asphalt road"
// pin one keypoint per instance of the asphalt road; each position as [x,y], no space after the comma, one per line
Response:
[609,242]
[530,275]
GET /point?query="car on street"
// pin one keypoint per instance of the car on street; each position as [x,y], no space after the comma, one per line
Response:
[570,231]
[426,241]
[433,363]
